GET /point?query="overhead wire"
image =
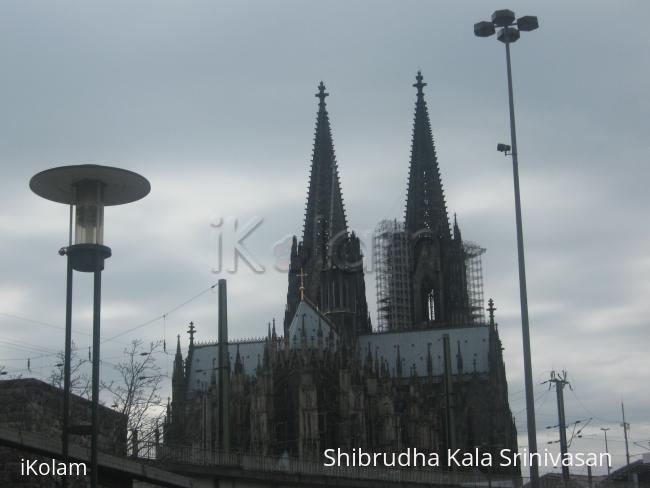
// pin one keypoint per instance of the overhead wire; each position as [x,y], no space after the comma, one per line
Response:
[164,315]
[589,411]
[46,352]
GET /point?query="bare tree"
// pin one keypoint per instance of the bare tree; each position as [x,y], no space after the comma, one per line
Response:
[80,381]
[136,392]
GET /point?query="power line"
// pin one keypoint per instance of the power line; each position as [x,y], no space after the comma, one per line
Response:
[589,411]
[164,315]
[109,339]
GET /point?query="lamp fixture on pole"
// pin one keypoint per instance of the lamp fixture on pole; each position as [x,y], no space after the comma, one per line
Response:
[87,189]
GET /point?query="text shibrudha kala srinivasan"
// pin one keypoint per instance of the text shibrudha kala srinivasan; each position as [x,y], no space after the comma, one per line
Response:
[412,457]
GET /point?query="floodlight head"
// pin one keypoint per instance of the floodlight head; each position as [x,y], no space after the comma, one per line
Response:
[527,23]
[508,35]
[503,18]
[504,148]
[483,29]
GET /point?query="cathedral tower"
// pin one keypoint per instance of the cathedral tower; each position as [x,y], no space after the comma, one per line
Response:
[327,266]
[438,282]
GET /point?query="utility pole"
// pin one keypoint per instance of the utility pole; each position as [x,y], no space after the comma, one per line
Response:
[626,426]
[609,465]
[560,382]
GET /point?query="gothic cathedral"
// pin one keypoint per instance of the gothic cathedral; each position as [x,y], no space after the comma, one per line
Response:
[326,379]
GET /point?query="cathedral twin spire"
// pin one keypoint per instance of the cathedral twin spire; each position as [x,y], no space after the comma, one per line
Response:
[325,214]
[327,250]
[426,210]
[326,266]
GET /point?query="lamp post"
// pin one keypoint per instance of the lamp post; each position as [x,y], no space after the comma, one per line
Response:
[87,189]
[509,30]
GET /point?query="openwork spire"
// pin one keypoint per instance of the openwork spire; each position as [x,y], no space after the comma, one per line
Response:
[325,214]
[177,373]
[426,209]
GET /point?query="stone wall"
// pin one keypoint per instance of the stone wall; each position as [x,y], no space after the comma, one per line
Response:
[31,405]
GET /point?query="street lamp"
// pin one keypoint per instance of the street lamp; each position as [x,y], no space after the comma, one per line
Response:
[87,189]
[509,31]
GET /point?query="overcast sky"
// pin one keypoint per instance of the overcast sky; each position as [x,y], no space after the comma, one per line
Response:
[214,103]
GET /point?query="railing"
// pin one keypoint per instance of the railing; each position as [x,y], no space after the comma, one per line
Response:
[290,465]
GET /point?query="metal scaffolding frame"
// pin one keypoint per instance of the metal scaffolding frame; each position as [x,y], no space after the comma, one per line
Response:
[390,246]
[474,271]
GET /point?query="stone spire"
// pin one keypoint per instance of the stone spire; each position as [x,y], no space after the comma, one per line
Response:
[438,280]
[178,358]
[178,376]
[426,209]
[326,267]
[239,368]
[325,214]
[457,235]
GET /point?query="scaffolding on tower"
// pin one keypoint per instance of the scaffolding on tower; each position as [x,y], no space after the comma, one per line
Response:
[390,246]
[474,270]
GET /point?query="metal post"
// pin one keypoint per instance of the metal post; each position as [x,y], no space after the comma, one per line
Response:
[66,366]
[224,370]
[65,427]
[95,377]
[627,449]
[559,390]
[528,370]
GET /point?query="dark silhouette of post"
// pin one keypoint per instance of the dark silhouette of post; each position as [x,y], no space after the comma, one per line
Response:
[560,381]
[609,465]
[224,370]
[627,448]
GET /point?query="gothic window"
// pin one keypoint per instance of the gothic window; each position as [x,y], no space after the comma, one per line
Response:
[431,305]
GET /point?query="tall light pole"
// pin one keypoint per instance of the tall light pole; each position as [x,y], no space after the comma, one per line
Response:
[609,467]
[87,189]
[508,33]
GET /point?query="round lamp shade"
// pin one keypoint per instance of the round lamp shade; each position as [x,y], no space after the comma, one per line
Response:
[119,186]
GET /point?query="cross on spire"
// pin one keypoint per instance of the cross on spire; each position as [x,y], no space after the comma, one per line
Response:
[321,95]
[420,84]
